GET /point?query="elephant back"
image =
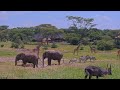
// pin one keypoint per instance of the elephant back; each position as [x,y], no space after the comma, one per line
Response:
[55,55]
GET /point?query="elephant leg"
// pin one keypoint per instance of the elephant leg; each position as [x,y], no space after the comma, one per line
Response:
[49,61]
[24,63]
[15,63]
[58,62]
[33,65]
[37,65]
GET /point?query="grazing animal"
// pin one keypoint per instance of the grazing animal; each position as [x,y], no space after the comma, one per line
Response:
[90,57]
[27,59]
[52,55]
[92,49]
[83,58]
[97,71]
[76,49]
[73,60]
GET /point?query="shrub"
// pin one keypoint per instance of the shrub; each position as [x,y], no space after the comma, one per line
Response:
[81,48]
[74,41]
[106,37]
[22,46]
[2,45]
[45,47]
[105,45]
[54,45]
[85,41]
[15,45]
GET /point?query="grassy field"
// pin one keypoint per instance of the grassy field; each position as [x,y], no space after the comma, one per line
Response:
[64,71]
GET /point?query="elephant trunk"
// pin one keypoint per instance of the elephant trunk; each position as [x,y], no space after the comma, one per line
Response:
[15,62]
[43,62]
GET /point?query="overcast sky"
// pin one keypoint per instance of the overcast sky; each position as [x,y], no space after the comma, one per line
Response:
[104,19]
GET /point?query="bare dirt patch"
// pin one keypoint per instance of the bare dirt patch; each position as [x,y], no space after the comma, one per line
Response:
[5,59]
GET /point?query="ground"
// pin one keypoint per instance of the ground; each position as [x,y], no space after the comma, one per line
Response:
[63,71]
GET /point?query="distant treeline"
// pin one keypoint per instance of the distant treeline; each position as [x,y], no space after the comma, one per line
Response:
[81,30]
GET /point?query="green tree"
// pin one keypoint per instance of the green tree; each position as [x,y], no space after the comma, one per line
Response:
[48,31]
[4,27]
[81,23]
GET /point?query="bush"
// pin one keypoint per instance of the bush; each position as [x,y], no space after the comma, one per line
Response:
[106,37]
[85,41]
[22,46]
[81,48]
[45,47]
[105,45]
[118,46]
[74,41]
[2,45]
[54,45]
[15,45]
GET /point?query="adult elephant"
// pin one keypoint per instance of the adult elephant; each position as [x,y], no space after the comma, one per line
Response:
[27,59]
[52,55]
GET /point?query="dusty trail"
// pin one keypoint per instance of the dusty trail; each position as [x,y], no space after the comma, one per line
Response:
[5,59]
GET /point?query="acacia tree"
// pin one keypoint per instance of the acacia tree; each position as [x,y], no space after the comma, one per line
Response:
[81,23]
[48,31]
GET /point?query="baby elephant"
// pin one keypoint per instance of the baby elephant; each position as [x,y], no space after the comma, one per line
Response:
[27,59]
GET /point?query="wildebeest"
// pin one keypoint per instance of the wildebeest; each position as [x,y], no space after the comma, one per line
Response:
[97,71]
[27,59]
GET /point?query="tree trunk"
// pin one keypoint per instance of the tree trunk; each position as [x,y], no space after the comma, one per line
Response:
[47,41]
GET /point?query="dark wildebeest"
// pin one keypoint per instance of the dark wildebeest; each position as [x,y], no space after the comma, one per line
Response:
[97,71]
[27,59]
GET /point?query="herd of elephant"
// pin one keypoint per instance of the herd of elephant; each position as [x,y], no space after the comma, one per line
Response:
[57,55]
[50,54]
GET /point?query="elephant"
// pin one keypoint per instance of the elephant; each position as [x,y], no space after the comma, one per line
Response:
[52,55]
[27,59]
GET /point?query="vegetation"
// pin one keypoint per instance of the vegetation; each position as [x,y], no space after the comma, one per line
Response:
[54,45]
[81,31]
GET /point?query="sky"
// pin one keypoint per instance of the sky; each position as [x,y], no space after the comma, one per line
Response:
[103,19]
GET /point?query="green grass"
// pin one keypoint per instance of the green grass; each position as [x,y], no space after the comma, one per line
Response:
[64,71]
[5,53]
[70,71]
